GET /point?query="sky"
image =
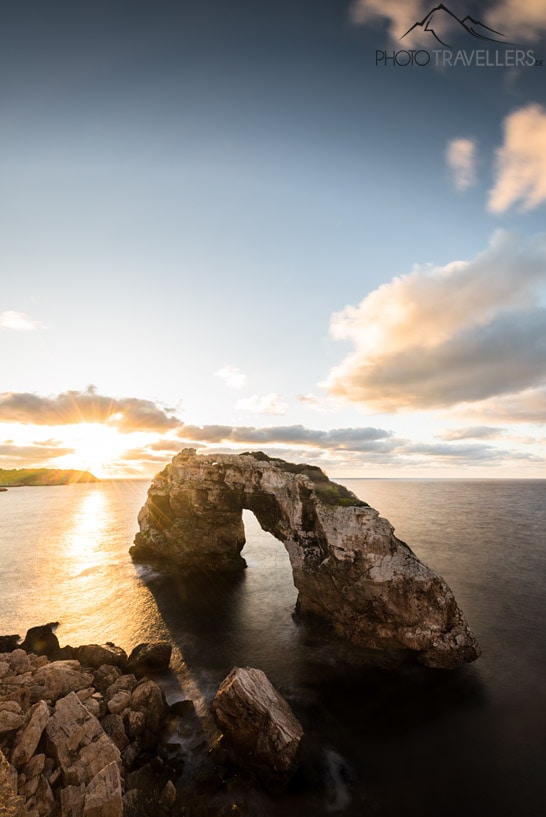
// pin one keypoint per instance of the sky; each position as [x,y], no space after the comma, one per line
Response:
[285,226]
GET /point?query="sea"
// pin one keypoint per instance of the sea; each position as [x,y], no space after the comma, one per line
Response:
[383,742]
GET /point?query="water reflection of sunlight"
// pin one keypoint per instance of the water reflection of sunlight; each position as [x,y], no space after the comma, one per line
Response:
[87,531]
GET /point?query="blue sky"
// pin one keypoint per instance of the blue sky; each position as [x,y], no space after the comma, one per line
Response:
[243,232]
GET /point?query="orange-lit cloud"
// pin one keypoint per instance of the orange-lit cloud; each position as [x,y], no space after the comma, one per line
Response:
[401,14]
[445,335]
[127,414]
[527,406]
[521,161]
[356,439]
[461,160]
[525,22]
[19,455]
[471,433]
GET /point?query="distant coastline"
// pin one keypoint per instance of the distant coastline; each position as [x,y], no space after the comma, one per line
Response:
[22,477]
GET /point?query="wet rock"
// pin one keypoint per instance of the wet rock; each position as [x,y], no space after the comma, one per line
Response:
[113,726]
[42,641]
[8,643]
[149,699]
[167,797]
[97,655]
[259,726]
[351,571]
[150,656]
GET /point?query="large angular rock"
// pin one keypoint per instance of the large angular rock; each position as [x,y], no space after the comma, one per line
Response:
[78,742]
[151,656]
[103,796]
[350,569]
[11,805]
[259,725]
[97,655]
[28,740]
[42,640]
[57,679]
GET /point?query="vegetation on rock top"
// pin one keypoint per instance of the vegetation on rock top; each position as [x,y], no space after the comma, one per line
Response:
[16,477]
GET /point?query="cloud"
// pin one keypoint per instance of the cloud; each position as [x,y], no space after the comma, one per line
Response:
[529,406]
[440,336]
[520,21]
[30,453]
[126,414]
[461,159]
[231,376]
[18,322]
[471,433]
[356,439]
[400,14]
[521,161]
[267,404]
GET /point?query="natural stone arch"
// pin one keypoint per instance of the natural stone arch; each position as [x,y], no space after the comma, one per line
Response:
[349,568]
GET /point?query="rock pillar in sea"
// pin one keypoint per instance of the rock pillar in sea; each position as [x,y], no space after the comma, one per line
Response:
[350,569]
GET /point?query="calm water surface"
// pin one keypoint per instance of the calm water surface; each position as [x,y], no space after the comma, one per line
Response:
[414,742]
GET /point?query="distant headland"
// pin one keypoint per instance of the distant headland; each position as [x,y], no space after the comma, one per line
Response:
[18,477]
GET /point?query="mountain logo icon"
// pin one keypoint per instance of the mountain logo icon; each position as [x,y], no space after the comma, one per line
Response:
[440,19]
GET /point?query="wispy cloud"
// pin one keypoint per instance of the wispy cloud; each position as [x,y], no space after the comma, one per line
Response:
[471,433]
[445,335]
[29,454]
[18,322]
[527,406]
[525,22]
[461,159]
[232,377]
[266,404]
[356,439]
[127,414]
[400,14]
[521,161]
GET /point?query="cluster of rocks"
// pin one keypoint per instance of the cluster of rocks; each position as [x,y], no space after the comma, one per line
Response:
[84,732]
[77,732]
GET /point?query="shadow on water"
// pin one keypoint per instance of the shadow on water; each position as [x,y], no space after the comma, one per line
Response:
[363,724]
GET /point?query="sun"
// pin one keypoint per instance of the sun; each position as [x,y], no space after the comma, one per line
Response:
[96,448]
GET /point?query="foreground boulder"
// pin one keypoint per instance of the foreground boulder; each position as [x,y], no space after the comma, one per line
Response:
[350,569]
[259,726]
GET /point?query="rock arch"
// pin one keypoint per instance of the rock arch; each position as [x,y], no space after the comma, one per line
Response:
[347,564]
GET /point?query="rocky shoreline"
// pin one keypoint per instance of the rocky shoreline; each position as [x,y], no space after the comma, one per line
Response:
[87,732]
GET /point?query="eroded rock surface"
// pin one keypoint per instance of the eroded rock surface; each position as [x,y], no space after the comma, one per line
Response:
[71,734]
[259,725]
[348,566]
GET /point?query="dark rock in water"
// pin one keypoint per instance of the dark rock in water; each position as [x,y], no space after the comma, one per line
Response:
[259,726]
[351,571]
[182,708]
[42,640]
[8,643]
[150,656]
[97,655]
